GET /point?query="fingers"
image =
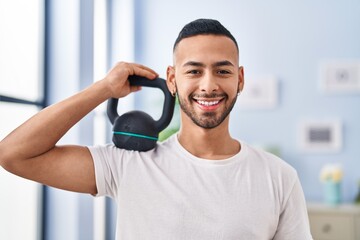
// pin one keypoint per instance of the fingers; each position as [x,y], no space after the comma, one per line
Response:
[117,79]
[141,70]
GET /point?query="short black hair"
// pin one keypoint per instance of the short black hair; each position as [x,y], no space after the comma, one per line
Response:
[204,26]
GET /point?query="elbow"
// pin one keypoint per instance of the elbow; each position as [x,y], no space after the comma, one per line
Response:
[8,163]
[10,160]
[5,161]
[2,155]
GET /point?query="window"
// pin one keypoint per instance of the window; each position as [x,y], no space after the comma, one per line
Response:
[21,96]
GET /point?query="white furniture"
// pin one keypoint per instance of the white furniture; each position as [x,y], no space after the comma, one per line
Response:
[340,222]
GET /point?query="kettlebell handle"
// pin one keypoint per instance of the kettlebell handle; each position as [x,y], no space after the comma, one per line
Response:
[169,102]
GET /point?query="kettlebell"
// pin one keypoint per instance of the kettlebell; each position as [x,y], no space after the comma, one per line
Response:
[137,130]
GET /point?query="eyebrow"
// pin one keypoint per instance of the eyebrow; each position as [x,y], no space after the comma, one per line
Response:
[222,63]
[194,64]
[199,64]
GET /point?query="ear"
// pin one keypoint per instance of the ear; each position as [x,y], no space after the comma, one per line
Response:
[241,78]
[170,79]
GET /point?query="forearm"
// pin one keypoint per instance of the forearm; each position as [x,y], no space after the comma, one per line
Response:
[41,132]
[30,151]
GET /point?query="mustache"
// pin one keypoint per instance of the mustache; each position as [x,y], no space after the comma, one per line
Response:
[205,95]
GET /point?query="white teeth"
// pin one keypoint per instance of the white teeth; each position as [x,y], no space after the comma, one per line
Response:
[206,103]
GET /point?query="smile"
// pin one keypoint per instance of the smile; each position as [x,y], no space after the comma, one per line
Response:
[208,103]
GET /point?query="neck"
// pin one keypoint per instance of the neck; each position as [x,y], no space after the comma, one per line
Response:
[213,144]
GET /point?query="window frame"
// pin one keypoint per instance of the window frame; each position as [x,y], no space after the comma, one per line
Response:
[42,102]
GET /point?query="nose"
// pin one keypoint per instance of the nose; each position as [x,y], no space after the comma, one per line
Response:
[208,84]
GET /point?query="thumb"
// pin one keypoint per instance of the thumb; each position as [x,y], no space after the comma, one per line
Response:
[135,88]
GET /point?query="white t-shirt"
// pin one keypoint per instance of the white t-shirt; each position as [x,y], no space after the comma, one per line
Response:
[167,193]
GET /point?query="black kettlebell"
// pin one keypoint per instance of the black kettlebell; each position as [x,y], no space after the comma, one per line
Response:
[137,130]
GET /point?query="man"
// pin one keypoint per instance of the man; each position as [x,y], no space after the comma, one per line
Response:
[200,183]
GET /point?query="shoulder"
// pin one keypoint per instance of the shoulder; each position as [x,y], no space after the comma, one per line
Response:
[275,165]
[107,151]
[110,151]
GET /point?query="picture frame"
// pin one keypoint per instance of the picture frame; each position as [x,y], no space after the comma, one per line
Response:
[259,93]
[323,136]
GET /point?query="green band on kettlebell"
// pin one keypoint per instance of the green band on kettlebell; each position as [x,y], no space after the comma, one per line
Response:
[136,135]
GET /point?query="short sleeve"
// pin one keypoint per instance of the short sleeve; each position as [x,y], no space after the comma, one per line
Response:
[294,220]
[109,163]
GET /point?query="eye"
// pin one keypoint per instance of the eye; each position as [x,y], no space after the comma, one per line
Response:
[223,72]
[193,71]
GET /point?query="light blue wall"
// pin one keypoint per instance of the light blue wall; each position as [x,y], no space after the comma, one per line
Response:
[287,39]
[284,39]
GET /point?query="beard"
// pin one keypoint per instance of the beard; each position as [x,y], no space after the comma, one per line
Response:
[207,120]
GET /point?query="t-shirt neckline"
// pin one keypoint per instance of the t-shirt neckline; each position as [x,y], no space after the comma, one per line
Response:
[226,161]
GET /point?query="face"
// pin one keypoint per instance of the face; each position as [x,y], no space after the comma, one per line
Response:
[207,77]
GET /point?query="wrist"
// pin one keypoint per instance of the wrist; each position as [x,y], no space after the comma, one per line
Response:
[103,89]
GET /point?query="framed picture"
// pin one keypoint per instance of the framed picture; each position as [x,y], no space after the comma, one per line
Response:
[339,76]
[323,136]
[259,93]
